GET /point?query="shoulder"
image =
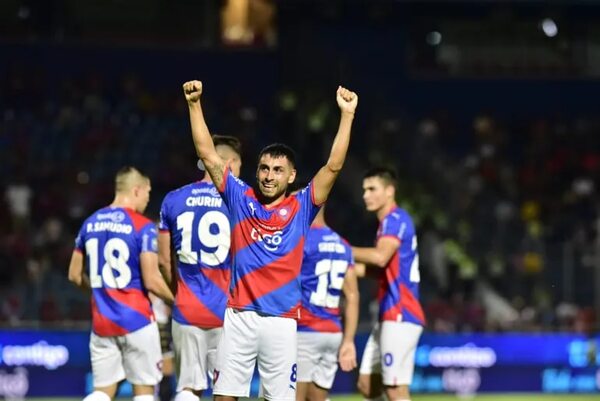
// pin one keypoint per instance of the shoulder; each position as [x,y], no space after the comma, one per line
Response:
[181,191]
[232,179]
[105,213]
[400,219]
[404,216]
[139,221]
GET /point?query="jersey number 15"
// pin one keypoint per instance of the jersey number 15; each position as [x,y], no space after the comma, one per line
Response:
[331,276]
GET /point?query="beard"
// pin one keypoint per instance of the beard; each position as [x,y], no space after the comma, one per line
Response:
[268,197]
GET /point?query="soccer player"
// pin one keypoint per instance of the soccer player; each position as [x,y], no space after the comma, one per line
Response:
[195,221]
[267,238]
[119,245]
[327,271]
[389,355]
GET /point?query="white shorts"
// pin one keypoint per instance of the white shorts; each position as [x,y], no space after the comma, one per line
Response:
[390,351]
[195,353]
[134,356]
[318,357]
[247,338]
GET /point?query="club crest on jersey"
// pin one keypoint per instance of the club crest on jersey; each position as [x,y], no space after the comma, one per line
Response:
[270,241]
[284,213]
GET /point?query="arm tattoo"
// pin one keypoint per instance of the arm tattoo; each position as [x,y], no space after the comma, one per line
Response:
[216,172]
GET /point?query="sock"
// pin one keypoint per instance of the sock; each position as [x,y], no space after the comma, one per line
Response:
[165,389]
[97,396]
[186,395]
[145,397]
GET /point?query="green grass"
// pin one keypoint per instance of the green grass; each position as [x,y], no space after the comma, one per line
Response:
[436,397]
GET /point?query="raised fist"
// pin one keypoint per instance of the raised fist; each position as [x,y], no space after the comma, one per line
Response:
[346,100]
[192,91]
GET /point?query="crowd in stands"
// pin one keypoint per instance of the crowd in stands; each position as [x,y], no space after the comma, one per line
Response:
[507,211]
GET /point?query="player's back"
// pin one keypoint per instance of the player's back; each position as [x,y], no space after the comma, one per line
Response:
[326,259]
[112,240]
[399,284]
[198,221]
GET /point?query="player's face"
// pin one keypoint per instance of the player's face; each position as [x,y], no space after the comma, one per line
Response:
[376,193]
[229,156]
[142,194]
[273,175]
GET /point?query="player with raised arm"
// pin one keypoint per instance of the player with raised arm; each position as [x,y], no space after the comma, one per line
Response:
[117,246]
[327,272]
[389,355]
[194,226]
[267,240]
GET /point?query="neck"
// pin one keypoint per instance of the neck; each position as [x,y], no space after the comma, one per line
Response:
[385,210]
[269,202]
[206,178]
[124,201]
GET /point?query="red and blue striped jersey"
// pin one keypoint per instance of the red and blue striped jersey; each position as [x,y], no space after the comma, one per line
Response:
[327,258]
[112,240]
[198,222]
[398,293]
[266,246]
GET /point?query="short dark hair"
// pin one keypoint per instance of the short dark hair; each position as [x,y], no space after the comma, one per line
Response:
[279,150]
[226,140]
[387,174]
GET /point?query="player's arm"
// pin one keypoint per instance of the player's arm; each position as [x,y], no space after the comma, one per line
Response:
[76,272]
[347,353]
[378,256]
[360,270]
[153,280]
[326,176]
[205,147]
[164,257]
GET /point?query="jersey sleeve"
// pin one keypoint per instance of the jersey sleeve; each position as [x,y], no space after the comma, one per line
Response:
[307,203]
[147,237]
[232,189]
[164,223]
[394,226]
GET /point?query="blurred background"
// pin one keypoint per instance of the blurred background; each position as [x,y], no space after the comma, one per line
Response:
[488,111]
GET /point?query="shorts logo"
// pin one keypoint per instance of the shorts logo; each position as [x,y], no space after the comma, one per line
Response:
[388,359]
[215,376]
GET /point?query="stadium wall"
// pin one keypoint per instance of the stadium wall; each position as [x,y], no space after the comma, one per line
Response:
[56,363]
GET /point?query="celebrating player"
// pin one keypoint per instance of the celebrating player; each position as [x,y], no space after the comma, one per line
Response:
[119,247]
[267,238]
[326,273]
[389,355]
[195,221]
